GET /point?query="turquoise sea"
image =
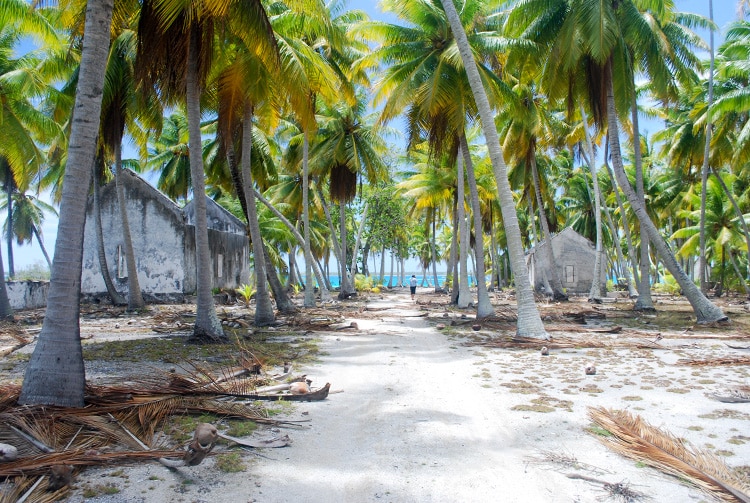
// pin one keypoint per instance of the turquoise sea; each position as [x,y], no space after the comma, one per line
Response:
[422,281]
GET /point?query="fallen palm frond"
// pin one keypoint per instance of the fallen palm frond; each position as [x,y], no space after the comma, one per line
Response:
[633,437]
[561,342]
[39,465]
[715,362]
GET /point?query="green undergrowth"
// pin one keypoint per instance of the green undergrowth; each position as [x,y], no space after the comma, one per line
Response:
[179,349]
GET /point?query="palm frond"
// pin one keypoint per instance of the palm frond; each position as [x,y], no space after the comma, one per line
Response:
[635,438]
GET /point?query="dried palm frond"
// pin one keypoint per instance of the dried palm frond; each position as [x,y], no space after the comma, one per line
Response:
[726,361]
[32,489]
[635,438]
[560,342]
[38,465]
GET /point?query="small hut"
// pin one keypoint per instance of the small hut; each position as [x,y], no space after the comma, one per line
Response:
[574,259]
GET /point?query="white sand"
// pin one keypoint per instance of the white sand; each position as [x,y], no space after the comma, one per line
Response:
[423,418]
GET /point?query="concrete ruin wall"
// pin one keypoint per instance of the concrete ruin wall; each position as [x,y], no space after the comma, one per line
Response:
[157,230]
[27,294]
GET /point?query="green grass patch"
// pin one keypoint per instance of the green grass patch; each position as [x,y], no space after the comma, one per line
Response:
[230,462]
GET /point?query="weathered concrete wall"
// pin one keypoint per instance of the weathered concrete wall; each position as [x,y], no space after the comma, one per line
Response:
[157,230]
[229,249]
[27,294]
[164,244]
[228,245]
[574,256]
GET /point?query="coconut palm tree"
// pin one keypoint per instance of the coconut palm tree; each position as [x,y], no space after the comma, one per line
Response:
[529,322]
[55,374]
[175,48]
[348,145]
[606,32]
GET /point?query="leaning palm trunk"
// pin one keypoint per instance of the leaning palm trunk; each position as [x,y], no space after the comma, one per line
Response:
[557,289]
[114,295]
[632,292]
[737,209]
[6,312]
[704,310]
[464,293]
[135,298]
[264,314]
[325,295]
[644,301]
[39,240]
[55,374]
[207,324]
[737,271]
[597,290]
[625,226]
[529,322]
[484,307]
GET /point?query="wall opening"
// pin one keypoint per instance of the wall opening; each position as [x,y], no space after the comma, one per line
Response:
[570,274]
[122,265]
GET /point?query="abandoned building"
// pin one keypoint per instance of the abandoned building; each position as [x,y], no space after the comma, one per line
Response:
[163,237]
[574,255]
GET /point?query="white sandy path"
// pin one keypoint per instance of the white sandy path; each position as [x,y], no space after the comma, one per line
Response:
[422,418]
[415,424]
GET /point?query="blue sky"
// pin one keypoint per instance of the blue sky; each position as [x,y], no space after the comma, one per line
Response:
[724,13]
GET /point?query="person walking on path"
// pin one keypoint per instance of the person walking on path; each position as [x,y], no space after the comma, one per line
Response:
[413,286]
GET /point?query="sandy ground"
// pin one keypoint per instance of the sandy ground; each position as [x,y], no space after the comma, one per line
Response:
[419,415]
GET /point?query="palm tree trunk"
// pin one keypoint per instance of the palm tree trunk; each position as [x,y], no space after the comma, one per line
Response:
[309,291]
[114,295]
[9,221]
[484,307]
[558,293]
[704,310]
[55,374]
[493,254]
[464,294]
[737,271]
[264,314]
[39,240]
[625,226]
[382,267]
[292,264]
[357,241]
[135,298]
[346,290]
[283,302]
[597,289]
[6,312]
[325,295]
[623,266]
[433,250]
[740,216]
[644,301]
[529,322]
[207,324]
[390,276]
[453,260]
[702,268]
